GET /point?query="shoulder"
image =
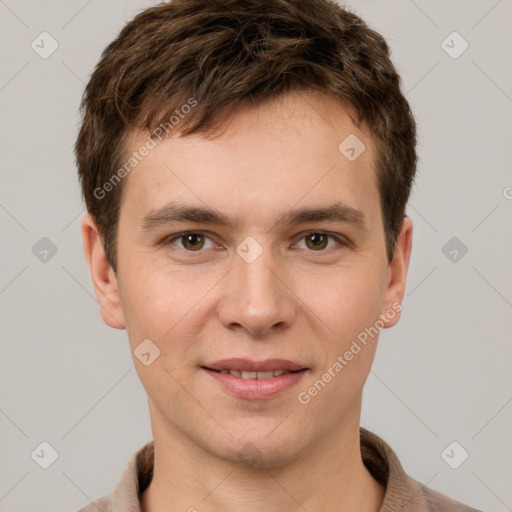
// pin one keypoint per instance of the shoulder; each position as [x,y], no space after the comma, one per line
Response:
[134,479]
[403,493]
[434,501]
[99,505]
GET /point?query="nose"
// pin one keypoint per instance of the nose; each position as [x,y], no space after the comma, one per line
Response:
[257,297]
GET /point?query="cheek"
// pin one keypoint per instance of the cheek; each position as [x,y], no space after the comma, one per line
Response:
[349,302]
[163,308]
[156,299]
[170,308]
[350,306]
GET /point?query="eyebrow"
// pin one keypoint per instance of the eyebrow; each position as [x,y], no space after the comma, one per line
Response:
[173,213]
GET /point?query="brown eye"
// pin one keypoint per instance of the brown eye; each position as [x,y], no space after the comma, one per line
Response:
[193,241]
[316,241]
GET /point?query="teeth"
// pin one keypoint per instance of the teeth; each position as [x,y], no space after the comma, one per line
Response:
[256,375]
[262,375]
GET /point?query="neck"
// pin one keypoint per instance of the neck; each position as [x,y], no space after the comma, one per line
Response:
[329,477]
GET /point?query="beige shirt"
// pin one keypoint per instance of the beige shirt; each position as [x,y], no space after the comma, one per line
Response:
[403,494]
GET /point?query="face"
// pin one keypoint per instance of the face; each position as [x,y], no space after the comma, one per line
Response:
[264,243]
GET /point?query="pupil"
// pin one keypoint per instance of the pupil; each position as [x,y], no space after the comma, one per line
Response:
[317,239]
[193,240]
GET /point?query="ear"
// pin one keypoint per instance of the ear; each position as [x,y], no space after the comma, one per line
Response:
[103,277]
[397,275]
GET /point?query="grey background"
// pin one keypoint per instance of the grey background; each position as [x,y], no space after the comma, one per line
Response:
[442,375]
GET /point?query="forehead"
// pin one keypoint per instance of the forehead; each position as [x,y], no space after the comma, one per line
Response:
[299,149]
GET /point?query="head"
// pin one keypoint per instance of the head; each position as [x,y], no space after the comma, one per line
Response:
[228,120]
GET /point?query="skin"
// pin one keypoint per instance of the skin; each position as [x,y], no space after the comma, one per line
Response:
[295,301]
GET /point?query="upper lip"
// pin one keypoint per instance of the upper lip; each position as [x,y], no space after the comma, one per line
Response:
[248,365]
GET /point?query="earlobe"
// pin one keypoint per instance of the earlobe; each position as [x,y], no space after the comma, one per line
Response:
[103,277]
[398,275]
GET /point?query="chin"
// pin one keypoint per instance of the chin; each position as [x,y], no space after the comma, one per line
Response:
[256,448]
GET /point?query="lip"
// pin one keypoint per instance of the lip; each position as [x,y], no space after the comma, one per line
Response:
[256,389]
[249,365]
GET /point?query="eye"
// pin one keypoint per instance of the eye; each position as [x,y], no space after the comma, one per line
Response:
[318,241]
[192,241]
[195,241]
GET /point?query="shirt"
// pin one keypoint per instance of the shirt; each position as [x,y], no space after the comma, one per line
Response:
[403,493]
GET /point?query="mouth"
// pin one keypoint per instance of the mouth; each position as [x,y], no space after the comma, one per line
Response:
[255,380]
[255,375]
[249,369]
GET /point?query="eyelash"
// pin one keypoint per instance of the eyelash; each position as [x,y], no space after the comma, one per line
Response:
[342,242]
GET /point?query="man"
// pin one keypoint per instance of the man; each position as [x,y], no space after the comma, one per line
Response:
[246,166]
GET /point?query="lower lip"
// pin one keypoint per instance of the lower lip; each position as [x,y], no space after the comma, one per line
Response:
[256,388]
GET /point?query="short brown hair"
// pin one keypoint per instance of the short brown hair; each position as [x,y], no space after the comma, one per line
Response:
[228,55]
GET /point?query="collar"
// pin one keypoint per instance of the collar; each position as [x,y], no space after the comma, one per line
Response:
[403,493]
